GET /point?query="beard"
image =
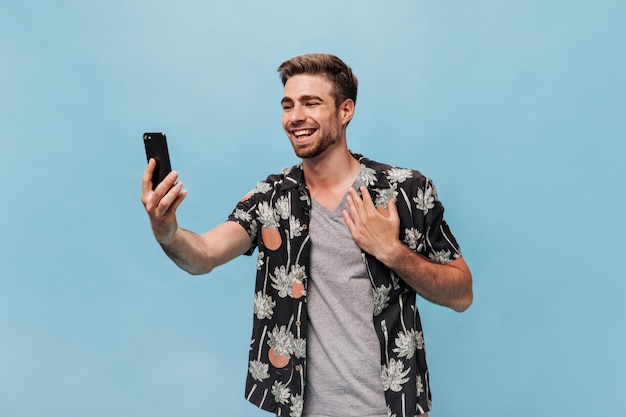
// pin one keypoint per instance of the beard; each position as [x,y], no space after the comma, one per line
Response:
[327,138]
[315,149]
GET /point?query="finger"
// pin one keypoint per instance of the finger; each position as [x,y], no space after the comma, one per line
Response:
[168,182]
[348,219]
[354,205]
[391,212]
[146,179]
[179,199]
[367,198]
[165,203]
[393,208]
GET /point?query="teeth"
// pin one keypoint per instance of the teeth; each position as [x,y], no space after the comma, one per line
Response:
[303,132]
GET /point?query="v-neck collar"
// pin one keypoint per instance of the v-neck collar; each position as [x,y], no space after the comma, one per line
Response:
[343,203]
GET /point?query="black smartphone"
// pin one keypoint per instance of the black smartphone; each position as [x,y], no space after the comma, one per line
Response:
[156,147]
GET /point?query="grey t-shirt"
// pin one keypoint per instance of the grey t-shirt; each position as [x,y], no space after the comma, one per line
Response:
[343,359]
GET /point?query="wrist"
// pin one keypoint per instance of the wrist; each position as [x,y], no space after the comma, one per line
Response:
[166,238]
[391,254]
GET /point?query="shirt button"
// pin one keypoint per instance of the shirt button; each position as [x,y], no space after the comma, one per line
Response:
[304,226]
[298,323]
[298,368]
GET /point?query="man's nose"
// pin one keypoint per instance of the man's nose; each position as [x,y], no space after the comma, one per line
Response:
[297,114]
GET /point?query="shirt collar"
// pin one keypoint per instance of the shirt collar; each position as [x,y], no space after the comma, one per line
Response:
[294,176]
[381,181]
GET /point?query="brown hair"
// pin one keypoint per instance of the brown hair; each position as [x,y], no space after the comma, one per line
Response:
[340,75]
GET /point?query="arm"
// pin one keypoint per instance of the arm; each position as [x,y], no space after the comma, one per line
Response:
[448,284]
[196,254]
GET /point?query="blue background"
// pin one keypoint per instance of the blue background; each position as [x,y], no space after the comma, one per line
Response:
[514,108]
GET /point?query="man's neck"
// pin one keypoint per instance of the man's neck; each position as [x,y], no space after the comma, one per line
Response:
[329,176]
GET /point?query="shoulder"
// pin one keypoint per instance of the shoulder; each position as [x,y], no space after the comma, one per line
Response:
[287,178]
[383,174]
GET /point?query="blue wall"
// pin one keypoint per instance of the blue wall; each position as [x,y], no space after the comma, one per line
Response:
[514,108]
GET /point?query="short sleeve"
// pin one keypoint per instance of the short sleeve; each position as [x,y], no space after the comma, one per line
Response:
[441,245]
[246,212]
[424,228]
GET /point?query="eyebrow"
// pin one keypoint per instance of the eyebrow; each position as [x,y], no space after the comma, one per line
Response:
[301,98]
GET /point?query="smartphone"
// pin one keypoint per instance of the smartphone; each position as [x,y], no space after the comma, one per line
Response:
[156,147]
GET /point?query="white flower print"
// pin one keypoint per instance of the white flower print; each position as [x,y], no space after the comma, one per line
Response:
[263,306]
[295,229]
[384,195]
[282,281]
[440,256]
[367,176]
[381,298]
[267,215]
[414,239]
[261,187]
[399,175]
[252,231]
[259,370]
[394,375]
[297,272]
[426,198]
[407,342]
[299,348]
[419,340]
[305,197]
[281,340]
[281,392]
[242,215]
[419,385]
[395,280]
[390,413]
[297,404]
[283,209]
[260,261]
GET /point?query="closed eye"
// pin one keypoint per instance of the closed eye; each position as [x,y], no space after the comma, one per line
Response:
[286,104]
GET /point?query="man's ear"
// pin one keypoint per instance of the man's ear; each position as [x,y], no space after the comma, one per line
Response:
[346,110]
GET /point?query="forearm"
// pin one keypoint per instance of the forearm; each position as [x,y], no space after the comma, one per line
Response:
[449,284]
[199,254]
[188,251]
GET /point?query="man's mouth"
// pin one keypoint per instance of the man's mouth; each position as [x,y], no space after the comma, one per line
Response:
[303,133]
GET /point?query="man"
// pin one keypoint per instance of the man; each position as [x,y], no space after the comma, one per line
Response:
[344,243]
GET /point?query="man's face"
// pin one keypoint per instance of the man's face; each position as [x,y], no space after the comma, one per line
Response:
[310,117]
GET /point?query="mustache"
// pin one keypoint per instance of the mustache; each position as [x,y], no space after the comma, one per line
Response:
[300,125]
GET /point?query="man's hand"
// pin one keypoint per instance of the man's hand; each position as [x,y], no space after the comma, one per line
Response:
[376,231]
[161,204]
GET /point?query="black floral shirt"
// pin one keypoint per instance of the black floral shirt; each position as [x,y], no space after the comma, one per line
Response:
[276,214]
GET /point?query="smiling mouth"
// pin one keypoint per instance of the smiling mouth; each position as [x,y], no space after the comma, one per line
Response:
[303,133]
